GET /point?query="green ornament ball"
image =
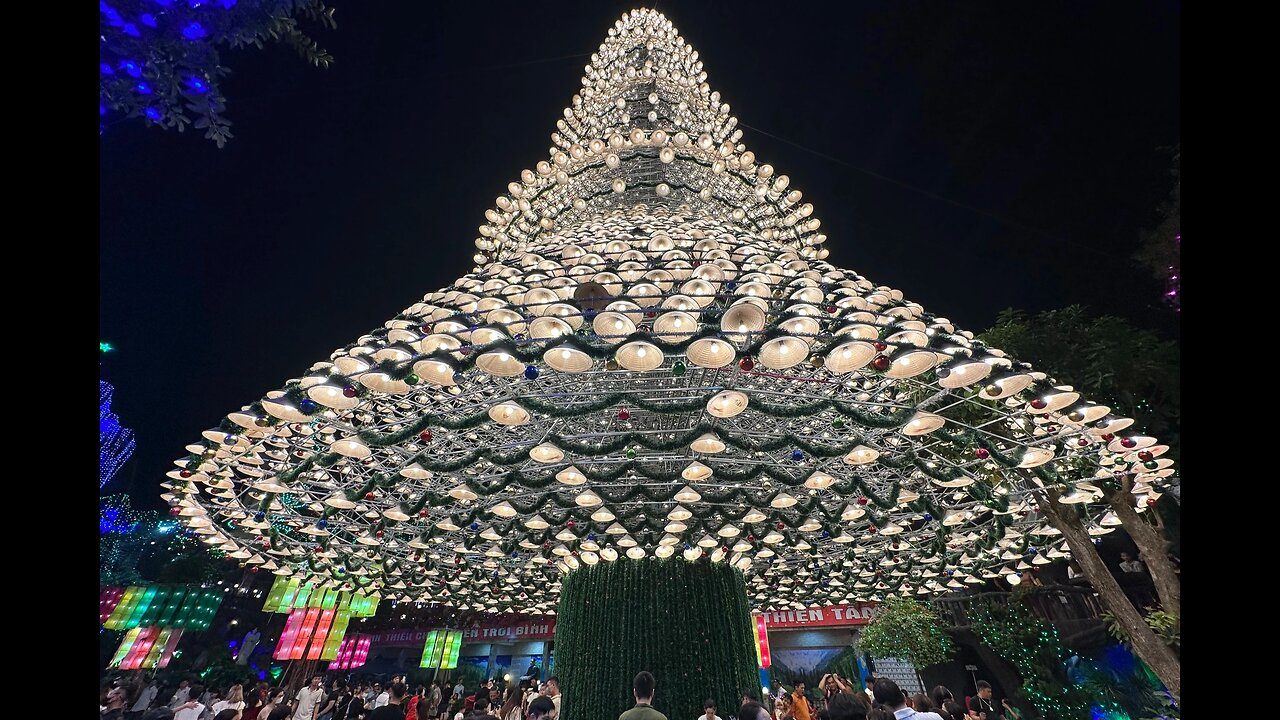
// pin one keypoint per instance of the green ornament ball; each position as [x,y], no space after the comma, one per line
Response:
[678,369]
[631,453]
[411,379]
[837,423]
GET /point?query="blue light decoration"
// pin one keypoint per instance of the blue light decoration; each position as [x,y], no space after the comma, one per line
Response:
[115,442]
[173,47]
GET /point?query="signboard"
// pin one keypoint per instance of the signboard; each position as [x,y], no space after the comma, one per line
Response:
[826,616]
[901,672]
[507,632]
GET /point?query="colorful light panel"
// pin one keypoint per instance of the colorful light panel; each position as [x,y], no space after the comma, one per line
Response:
[441,649]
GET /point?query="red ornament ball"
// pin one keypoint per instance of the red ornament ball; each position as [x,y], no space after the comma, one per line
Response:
[571,524]
[1082,442]
[881,363]
[780,526]
[185,473]
[369,495]
[175,510]
[425,436]
[746,364]
[871,529]
[862,500]
[1039,403]
[1151,502]
[1128,442]
[879,346]
[319,548]
[831,309]
[379,534]
[982,453]
[349,391]
[1108,437]
[624,415]
[423,513]
[1146,456]
[254,569]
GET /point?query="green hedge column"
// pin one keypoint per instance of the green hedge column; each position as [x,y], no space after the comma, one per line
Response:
[687,623]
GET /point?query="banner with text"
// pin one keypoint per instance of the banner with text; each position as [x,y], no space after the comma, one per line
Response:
[513,632]
[826,616]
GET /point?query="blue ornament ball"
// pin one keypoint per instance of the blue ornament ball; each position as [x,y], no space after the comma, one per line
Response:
[308,406]
[530,372]
[928,517]
[259,516]
[475,526]
[797,455]
[322,524]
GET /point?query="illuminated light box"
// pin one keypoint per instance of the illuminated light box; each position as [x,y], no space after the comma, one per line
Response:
[353,653]
[441,649]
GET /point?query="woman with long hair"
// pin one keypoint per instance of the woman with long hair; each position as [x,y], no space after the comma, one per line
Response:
[939,695]
[233,701]
[510,709]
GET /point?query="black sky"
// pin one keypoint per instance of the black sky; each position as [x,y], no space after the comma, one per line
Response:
[978,156]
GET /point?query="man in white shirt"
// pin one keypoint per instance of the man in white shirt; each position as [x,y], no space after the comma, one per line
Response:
[382,698]
[888,693]
[552,690]
[191,709]
[309,700]
[459,689]
[145,699]
[180,695]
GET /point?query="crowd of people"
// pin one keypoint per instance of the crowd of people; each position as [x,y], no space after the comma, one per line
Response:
[336,701]
[878,699]
[881,699]
[836,699]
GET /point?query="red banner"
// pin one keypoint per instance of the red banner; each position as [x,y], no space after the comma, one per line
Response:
[826,616]
[511,632]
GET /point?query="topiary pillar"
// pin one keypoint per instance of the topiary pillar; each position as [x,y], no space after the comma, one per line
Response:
[687,623]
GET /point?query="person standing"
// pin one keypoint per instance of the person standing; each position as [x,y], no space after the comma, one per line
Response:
[982,704]
[275,698]
[888,694]
[235,700]
[145,698]
[708,710]
[869,689]
[117,698]
[510,709]
[540,708]
[1129,564]
[309,700]
[382,697]
[394,708]
[800,707]
[191,709]
[553,692]
[642,688]
[181,695]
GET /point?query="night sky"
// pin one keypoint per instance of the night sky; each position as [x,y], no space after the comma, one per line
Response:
[976,156]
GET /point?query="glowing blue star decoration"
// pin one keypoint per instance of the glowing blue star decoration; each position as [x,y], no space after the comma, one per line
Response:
[115,443]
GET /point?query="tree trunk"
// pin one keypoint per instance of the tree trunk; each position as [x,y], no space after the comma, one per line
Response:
[1158,656]
[1153,549]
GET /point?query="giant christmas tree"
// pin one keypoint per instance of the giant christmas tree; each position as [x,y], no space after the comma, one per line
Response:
[651,358]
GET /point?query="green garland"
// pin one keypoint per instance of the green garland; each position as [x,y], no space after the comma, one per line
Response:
[1034,648]
[687,623]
